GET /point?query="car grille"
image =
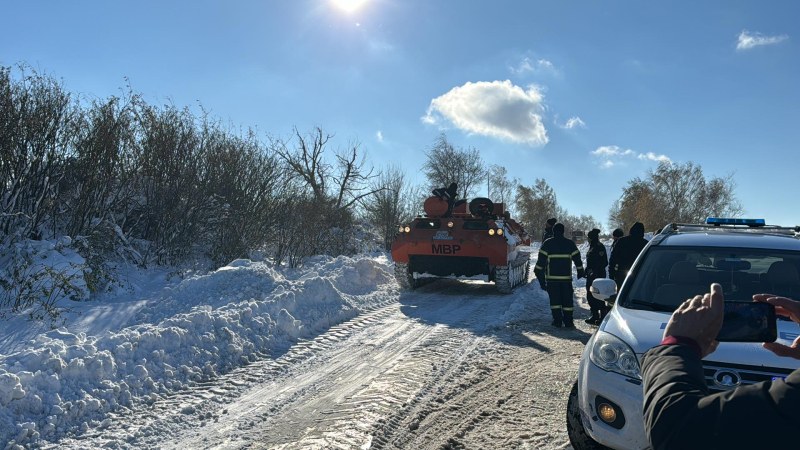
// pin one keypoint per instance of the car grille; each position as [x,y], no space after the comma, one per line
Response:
[721,377]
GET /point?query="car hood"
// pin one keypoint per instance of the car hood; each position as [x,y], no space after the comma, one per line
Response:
[643,330]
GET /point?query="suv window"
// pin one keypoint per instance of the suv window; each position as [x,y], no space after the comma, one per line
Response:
[670,275]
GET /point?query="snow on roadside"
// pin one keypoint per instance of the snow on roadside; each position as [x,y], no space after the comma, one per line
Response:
[66,381]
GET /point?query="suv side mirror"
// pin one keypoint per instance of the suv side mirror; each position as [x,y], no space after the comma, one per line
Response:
[603,288]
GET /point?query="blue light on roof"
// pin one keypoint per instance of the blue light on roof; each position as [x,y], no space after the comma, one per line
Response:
[731,221]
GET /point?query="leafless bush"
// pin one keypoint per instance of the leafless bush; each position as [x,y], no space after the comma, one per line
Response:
[98,185]
[36,115]
[391,204]
[246,180]
[29,284]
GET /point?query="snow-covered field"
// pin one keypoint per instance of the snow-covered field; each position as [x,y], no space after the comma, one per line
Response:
[329,355]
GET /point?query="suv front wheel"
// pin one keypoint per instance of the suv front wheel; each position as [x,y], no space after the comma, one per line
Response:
[577,435]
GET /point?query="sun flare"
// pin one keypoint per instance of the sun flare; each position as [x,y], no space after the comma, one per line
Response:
[349,6]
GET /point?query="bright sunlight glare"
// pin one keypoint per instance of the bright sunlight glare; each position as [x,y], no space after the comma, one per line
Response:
[349,6]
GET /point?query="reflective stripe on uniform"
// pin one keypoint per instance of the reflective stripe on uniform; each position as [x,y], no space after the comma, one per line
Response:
[568,308]
[560,255]
[555,306]
[537,267]
[558,277]
[576,252]
[543,252]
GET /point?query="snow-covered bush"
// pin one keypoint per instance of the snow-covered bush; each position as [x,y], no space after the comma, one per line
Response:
[36,275]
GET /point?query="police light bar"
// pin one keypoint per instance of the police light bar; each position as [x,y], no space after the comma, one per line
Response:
[717,221]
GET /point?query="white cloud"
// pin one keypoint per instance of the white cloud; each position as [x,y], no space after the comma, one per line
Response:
[650,156]
[493,108]
[379,136]
[574,122]
[749,40]
[611,155]
[528,65]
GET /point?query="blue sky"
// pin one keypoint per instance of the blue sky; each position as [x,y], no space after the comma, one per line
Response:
[585,94]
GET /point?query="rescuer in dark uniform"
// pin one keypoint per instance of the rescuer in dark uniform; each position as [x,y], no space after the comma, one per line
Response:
[554,272]
[548,229]
[625,252]
[596,262]
[618,233]
[449,195]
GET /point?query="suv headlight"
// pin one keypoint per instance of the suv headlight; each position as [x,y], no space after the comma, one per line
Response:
[611,354]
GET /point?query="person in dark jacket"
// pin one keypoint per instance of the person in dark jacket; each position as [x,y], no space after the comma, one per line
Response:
[678,410]
[554,271]
[618,233]
[548,229]
[596,263]
[625,252]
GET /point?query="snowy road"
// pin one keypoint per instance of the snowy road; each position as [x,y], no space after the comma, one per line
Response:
[450,365]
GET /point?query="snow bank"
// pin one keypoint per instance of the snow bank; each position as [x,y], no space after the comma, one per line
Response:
[67,381]
[51,269]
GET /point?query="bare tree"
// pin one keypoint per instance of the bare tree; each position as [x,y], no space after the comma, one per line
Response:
[307,162]
[501,188]
[674,193]
[326,196]
[447,164]
[391,205]
[536,204]
[573,222]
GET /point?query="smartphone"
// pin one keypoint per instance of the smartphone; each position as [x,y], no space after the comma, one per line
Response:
[748,322]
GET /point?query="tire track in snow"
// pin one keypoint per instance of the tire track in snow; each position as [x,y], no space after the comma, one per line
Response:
[203,403]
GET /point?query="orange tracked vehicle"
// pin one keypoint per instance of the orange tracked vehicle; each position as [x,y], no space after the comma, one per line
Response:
[456,239]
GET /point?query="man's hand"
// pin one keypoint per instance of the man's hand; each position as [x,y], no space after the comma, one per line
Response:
[699,319]
[788,308]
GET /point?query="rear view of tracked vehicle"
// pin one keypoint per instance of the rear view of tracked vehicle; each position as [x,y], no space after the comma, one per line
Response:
[456,239]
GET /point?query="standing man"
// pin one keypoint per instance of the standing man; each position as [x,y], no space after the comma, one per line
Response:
[548,229]
[625,252]
[618,233]
[596,262]
[554,271]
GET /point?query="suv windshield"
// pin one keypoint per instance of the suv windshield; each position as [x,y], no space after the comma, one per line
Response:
[670,275]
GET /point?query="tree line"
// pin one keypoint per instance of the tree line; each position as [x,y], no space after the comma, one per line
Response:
[156,184]
[162,182]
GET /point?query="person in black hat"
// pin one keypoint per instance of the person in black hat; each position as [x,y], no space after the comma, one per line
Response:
[625,252]
[548,229]
[554,271]
[596,263]
[618,233]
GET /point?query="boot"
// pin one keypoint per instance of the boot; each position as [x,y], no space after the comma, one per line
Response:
[568,320]
[557,318]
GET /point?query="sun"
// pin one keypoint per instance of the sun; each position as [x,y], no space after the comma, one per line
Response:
[349,6]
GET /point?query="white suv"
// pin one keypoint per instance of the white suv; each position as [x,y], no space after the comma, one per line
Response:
[605,405]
